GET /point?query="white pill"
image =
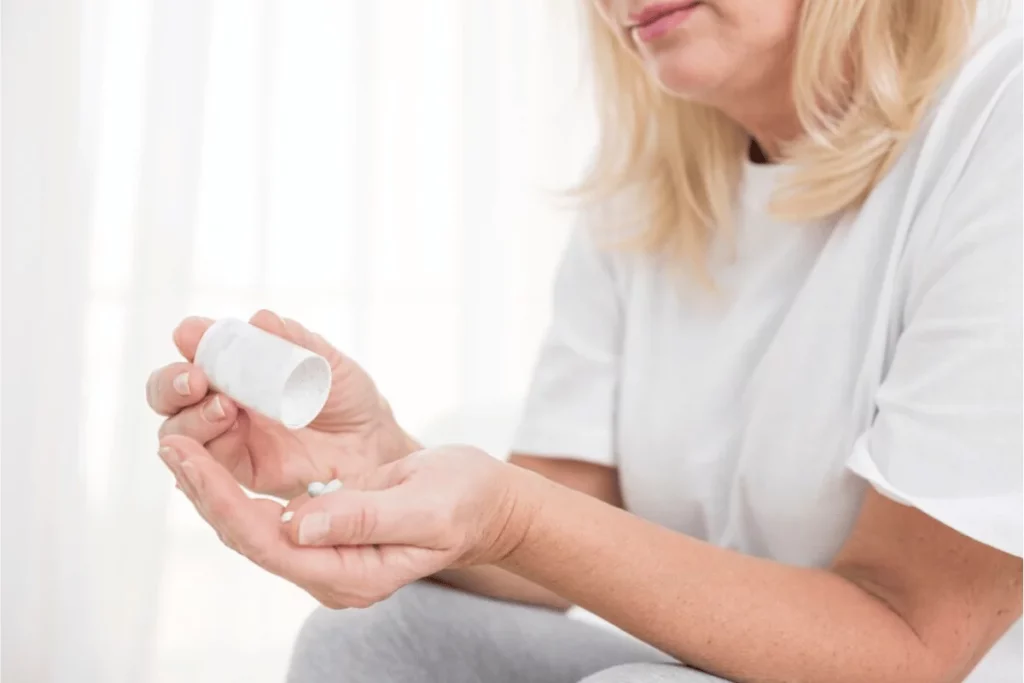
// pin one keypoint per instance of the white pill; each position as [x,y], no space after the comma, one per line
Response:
[315,488]
[330,487]
[287,516]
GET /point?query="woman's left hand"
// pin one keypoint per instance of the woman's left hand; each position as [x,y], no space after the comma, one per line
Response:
[406,520]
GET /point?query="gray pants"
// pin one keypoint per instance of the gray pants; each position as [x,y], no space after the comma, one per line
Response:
[426,632]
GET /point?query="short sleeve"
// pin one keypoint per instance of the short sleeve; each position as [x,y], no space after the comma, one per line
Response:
[570,407]
[947,436]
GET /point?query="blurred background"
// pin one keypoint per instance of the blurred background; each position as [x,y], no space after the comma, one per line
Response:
[385,172]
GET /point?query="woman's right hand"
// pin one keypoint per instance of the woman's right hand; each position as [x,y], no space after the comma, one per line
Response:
[354,432]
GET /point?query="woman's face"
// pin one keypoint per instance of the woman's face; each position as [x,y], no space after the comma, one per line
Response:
[710,51]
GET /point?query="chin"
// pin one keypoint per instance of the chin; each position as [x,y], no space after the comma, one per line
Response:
[690,71]
[689,80]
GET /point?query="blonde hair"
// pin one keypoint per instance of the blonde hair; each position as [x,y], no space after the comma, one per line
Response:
[864,73]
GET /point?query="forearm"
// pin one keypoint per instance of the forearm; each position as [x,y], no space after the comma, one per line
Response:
[740,617]
[498,583]
[595,481]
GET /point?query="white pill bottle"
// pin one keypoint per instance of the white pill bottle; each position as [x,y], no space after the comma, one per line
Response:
[264,373]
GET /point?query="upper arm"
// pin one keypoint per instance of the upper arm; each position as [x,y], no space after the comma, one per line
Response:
[939,535]
[946,437]
[958,595]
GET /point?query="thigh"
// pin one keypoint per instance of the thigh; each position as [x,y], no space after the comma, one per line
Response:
[647,672]
[427,632]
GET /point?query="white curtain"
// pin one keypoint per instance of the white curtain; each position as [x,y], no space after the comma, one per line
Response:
[383,172]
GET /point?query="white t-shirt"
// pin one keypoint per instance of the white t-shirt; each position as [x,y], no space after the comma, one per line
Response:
[878,348]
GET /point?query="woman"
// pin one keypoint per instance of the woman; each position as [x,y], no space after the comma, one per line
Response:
[775,429]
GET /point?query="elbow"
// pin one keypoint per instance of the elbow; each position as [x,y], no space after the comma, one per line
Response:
[916,652]
[939,668]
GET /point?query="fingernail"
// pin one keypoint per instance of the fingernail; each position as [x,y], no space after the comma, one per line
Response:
[191,474]
[169,456]
[180,384]
[314,528]
[213,410]
[287,516]
[184,488]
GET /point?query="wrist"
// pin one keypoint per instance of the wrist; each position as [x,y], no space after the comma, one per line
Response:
[526,493]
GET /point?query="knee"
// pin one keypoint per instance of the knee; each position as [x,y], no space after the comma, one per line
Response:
[652,673]
[350,644]
[325,643]
[355,644]
[624,673]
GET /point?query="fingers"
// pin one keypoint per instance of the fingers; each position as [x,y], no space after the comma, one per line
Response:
[174,387]
[248,526]
[188,333]
[295,333]
[204,422]
[271,322]
[294,504]
[338,577]
[191,330]
[231,448]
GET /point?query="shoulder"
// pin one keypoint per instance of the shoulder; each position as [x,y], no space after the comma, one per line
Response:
[989,65]
[978,113]
[962,172]
[985,94]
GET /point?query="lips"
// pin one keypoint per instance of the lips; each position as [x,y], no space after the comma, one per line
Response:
[655,21]
[652,13]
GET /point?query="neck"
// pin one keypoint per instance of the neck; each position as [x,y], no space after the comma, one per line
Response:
[769,130]
[768,115]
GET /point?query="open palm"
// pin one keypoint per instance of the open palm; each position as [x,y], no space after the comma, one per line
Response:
[388,526]
[355,430]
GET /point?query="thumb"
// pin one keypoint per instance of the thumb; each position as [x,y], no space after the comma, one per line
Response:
[387,510]
[297,334]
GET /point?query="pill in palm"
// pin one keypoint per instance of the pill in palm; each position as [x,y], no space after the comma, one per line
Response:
[315,488]
[330,487]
